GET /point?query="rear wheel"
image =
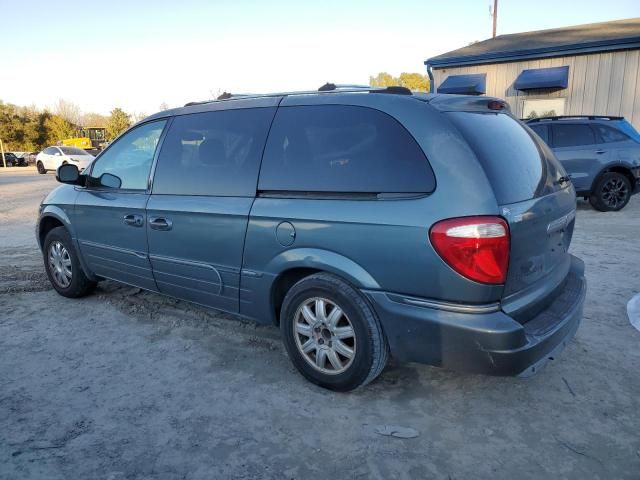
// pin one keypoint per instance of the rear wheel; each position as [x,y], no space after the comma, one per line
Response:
[63,267]
[41,169]
[332,335]
[612,192]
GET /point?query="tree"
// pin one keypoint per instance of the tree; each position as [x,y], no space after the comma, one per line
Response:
[383,79]
[92,119]
[118,122]
[412,81]
[58,129]
[163,106]
[69,111]
[137,116]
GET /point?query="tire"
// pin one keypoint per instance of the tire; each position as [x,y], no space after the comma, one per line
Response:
[329,333]
[78,285]
[41,169]
[612,192]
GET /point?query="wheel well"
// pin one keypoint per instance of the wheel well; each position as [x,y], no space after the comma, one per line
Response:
[46,225]
[617,169]
[283,283]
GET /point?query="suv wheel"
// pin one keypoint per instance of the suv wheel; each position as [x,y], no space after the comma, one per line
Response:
[40,167]
[612,192]
[331,334]
[63,267]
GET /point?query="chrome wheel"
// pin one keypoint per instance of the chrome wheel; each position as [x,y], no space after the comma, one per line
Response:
[324,336]
[60,264]
[614,193]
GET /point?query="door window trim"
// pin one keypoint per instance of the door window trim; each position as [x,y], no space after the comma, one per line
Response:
[167,121]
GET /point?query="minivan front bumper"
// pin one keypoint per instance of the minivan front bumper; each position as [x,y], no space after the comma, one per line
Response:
[481,339]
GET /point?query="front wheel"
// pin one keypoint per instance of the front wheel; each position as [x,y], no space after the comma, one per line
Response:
[63,266]
[331,334]
[41,169]
[612,192]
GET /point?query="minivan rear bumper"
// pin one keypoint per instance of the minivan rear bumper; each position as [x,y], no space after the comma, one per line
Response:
[481,339]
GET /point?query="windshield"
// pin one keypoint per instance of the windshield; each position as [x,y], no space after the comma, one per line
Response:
[73,151]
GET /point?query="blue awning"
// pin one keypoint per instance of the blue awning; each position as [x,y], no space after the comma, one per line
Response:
[556,77]
[471,84]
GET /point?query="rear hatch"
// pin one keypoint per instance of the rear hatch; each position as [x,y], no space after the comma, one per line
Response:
[534,196]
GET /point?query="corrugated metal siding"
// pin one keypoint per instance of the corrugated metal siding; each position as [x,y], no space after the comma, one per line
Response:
[599,84]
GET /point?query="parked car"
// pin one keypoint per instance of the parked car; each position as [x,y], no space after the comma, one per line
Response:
[364,222]
[52,157]
[12,160]
[601,155]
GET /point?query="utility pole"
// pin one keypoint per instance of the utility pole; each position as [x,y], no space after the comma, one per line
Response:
[494,15]
[4,161]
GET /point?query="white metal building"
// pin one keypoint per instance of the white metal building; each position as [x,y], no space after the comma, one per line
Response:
[581,70]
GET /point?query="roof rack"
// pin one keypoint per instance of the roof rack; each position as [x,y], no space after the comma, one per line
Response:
[327,88]
[561,117]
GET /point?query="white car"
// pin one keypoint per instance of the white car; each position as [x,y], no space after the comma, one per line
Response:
[52,157]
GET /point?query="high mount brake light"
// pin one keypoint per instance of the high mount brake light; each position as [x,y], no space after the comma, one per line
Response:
[475,247]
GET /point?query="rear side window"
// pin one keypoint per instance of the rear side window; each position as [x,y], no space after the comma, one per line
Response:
[342,149]
[213,153]
[573,135]
[509,155]
[609,135]
[542,131]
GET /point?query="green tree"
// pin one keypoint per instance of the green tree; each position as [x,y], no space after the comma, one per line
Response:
[118,122]
[413,81]
[59,129]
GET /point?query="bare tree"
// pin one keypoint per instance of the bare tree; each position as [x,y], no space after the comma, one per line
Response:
[68,110]
[164,106]
[137,116]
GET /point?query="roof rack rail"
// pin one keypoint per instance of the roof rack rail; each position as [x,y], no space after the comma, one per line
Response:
[561,117]
[326,89]
[332,87]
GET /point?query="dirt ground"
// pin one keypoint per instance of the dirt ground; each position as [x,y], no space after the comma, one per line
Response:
[128,384]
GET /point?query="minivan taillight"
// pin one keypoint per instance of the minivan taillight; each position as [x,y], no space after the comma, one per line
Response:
[475,247]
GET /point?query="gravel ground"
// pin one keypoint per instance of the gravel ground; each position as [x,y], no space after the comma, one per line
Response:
[127,384]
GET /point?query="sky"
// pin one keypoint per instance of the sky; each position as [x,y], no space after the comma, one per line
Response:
[139,54]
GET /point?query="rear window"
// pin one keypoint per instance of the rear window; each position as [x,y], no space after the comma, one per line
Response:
[509,154]
[573,135]
[342,149]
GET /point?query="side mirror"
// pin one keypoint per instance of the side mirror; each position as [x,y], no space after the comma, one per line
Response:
[110,181]
[68,173]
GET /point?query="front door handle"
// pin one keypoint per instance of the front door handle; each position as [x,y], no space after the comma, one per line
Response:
[134,220]
[600,152]
[160,223]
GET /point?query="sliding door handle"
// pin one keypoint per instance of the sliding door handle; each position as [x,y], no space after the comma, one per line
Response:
[160,223]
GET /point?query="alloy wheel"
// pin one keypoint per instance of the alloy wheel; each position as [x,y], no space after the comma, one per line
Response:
[324,335]
[60,264]
[614,192]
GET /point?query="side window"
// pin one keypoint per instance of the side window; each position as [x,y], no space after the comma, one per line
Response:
[336,148]
[49,151]
[131,156]
[573,135]
[213,153]
[610,135]
[542,131]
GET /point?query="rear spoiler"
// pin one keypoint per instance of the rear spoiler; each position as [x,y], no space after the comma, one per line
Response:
[468,103]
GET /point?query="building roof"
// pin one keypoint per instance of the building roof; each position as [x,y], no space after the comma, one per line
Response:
[579,39]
